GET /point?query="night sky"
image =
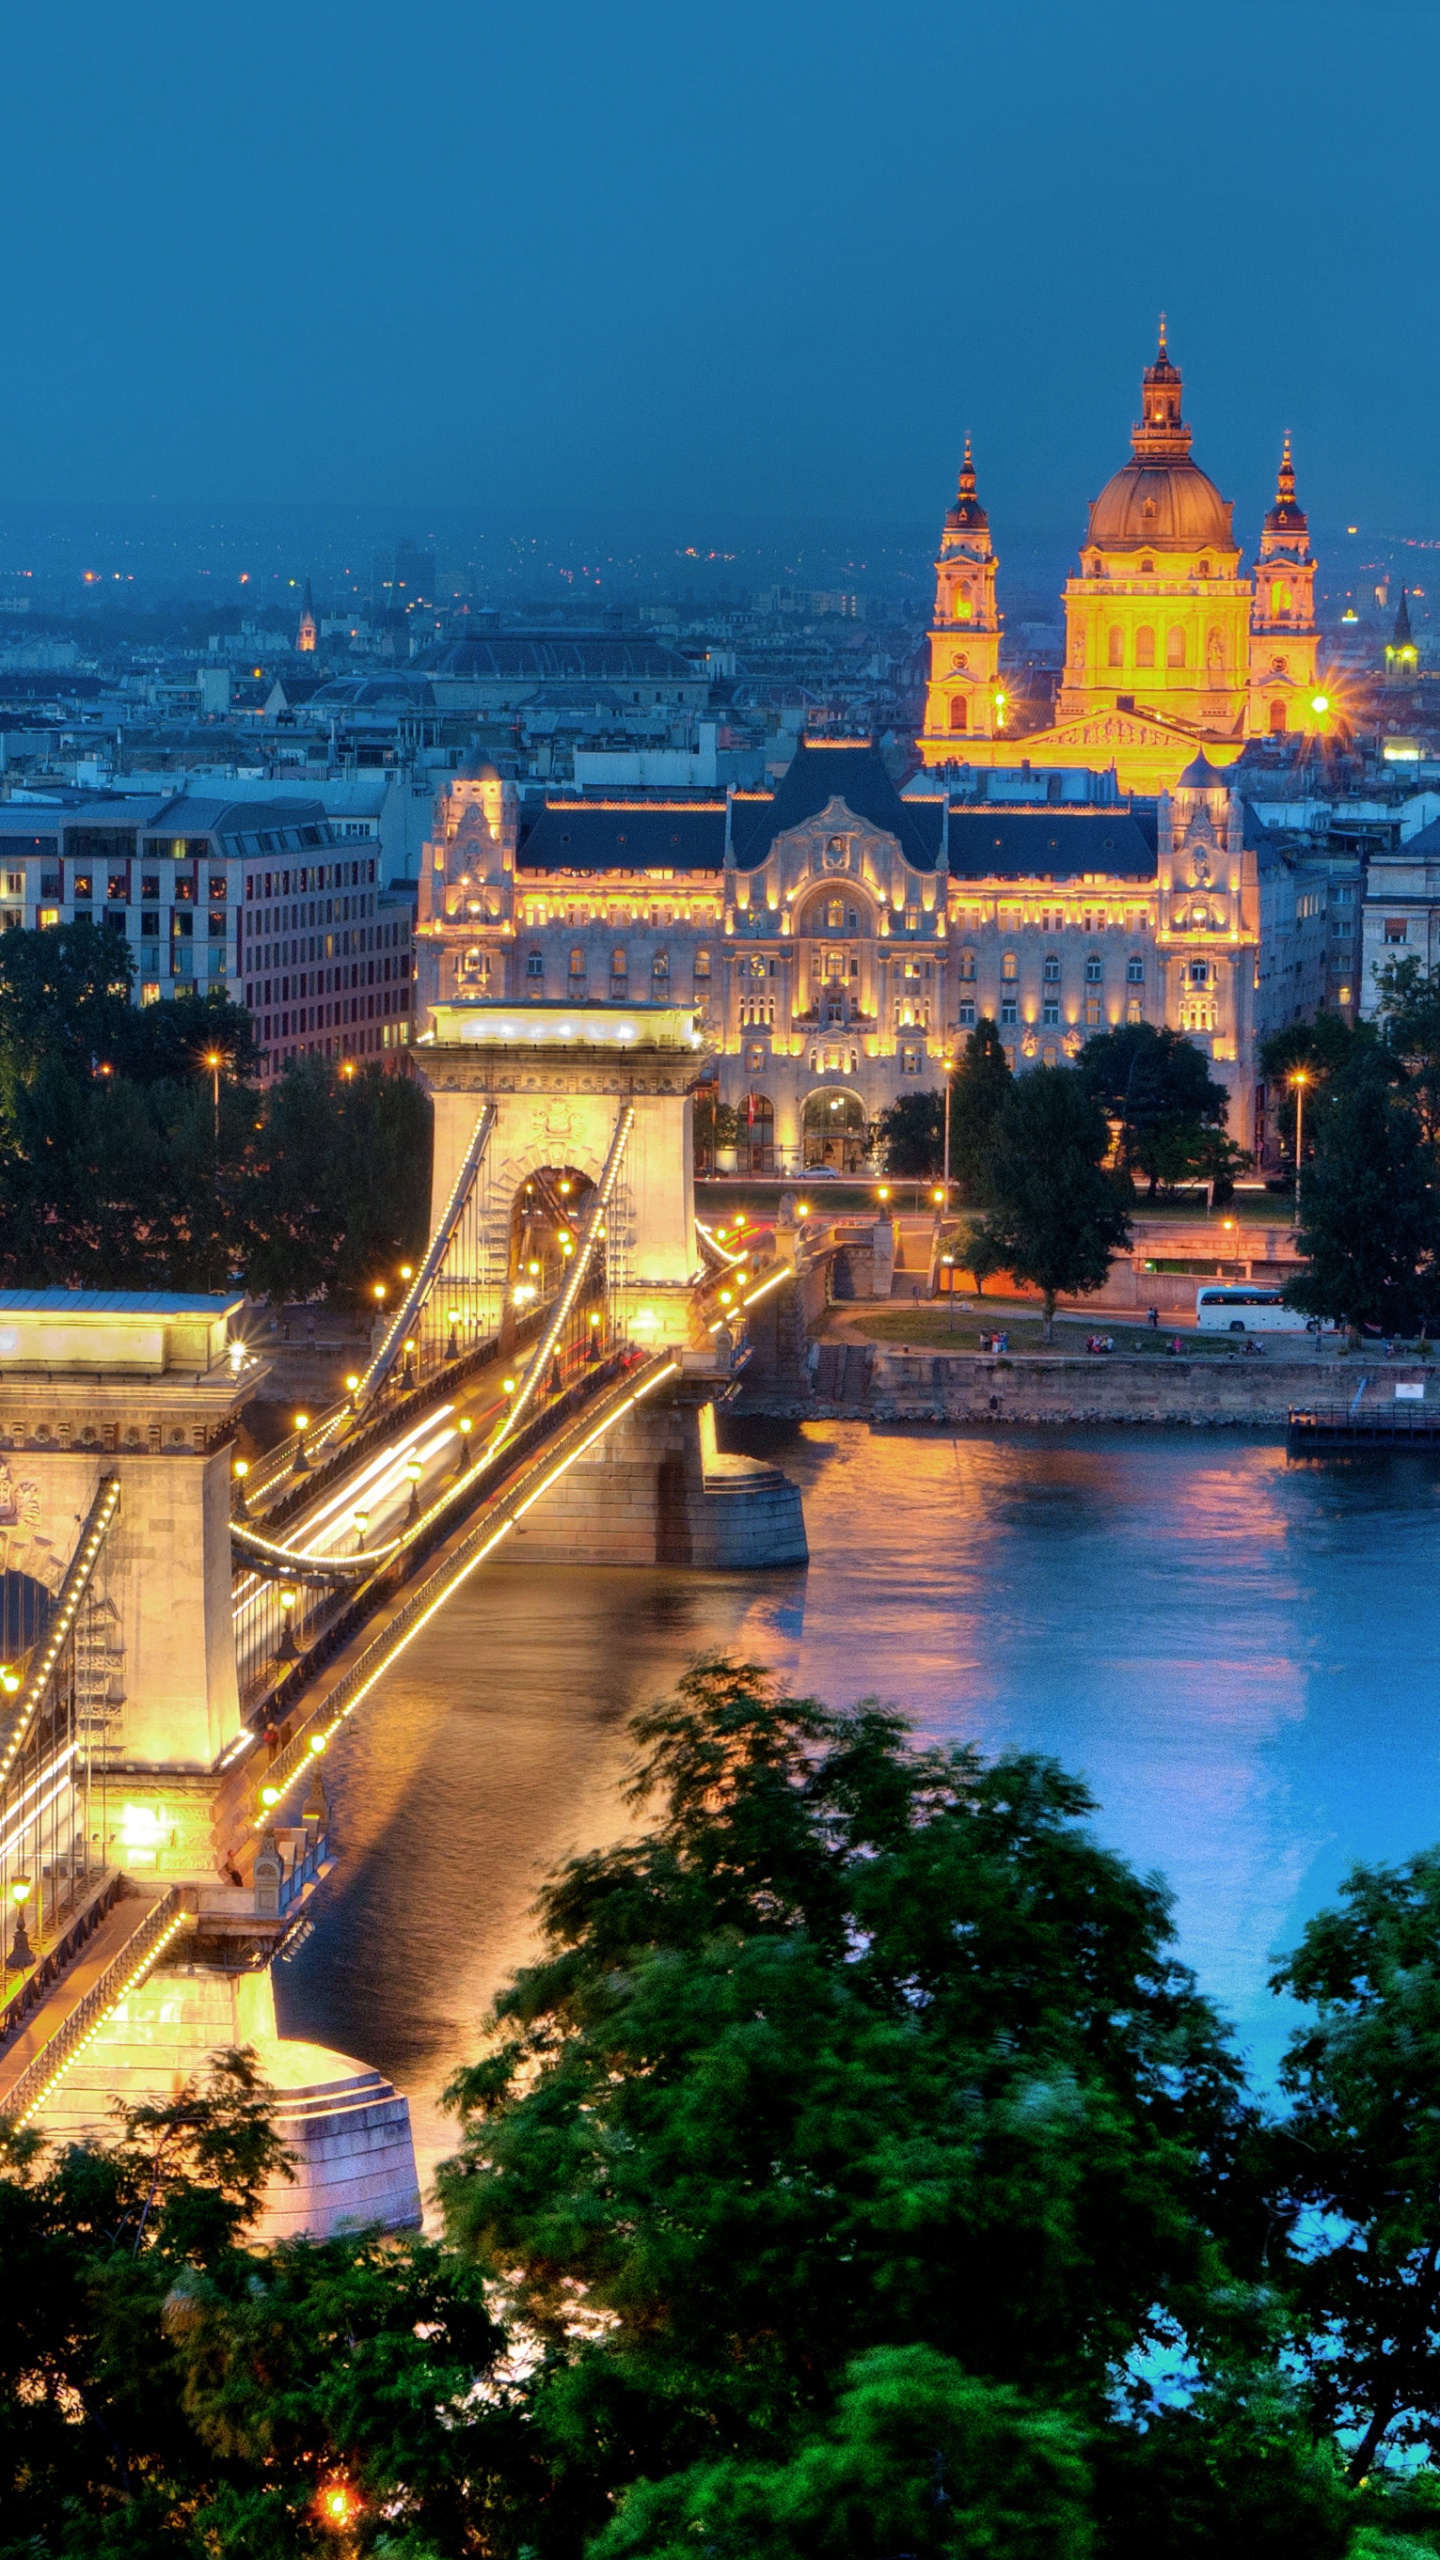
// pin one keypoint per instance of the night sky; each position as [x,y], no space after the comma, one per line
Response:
[767,258]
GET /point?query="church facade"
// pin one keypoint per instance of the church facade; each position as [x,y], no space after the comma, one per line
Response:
[839,941]
[1170,647]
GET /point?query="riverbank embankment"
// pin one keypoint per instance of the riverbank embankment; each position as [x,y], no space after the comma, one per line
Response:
[861,1381]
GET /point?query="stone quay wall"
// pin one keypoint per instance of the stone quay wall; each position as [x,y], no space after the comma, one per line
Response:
[878,1384]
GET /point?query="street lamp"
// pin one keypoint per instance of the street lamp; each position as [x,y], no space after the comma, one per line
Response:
[452,1347]
[361,1520]
[287,1650]
[215,1060]
[22,1955]
[302,1425]
[241,1471]
[413,1471]
[1299,1079]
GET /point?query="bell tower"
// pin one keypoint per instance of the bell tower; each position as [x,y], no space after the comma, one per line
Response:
[1284,642]
[964,698]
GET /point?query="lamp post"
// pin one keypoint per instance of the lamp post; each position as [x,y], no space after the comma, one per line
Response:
[302,1425]
[412,1513]
[1298,1082]
[241,1470]
[22,1954]
[215,1060]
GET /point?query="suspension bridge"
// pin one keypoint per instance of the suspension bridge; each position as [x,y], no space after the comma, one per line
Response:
[187,1637]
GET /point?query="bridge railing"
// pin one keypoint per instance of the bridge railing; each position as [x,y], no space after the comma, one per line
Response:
[139,1955]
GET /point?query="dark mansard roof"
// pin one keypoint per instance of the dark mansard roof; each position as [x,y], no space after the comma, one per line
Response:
[1049,844]
[846,769]
[625,835]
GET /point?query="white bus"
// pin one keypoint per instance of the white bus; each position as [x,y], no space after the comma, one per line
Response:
[1248,1307]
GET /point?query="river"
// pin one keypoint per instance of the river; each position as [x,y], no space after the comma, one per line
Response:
[1238,1654]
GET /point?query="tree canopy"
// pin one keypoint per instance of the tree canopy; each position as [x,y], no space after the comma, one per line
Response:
[856,2172]
[1156,1086]
[1370,1208]
[124,1163]
[1053,1215]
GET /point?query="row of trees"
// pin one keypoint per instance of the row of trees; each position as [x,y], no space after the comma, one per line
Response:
[1166,1112]
[857,2172]
[137,1152]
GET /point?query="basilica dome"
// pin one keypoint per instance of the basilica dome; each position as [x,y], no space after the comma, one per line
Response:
[1160,499]
[1170,504]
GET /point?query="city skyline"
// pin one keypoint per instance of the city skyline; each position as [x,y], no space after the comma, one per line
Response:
[774,278]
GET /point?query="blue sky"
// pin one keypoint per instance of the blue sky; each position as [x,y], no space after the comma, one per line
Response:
[770,258]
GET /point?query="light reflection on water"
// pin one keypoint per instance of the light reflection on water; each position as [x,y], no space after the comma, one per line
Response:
[1238,1655]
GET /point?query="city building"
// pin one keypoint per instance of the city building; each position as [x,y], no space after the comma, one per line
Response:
[1401,918]
[259,899]
[1170,647]
[840,940]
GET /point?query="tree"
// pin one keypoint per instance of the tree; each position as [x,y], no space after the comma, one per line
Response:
[911,1135]
[1053,1215]
[1157,1087]
[920,2457]
[858,2045]
[1361,2152]
[164,2388]
[978,1092]
[1409,1018]
[1322,1048]
[1370,1210]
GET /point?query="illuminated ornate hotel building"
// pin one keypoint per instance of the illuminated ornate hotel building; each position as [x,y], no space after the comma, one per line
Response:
[840,940]
[1170,647]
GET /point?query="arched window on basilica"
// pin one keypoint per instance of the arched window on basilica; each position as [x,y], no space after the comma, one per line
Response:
[959,714]
[1279,597]
[1115,646]
[1277,719]
[1175,646]
[1144,646]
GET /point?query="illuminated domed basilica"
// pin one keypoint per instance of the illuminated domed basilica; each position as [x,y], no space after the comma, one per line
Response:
[1169,646]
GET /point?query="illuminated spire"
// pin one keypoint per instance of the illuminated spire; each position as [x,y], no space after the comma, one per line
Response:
[1162,433]
[967,515]
[1286,520]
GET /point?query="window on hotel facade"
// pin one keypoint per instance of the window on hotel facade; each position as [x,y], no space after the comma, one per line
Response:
[1134,1010]
[702,963]
[1050,1010]
[1115,647]
[577,962]
[1144,646]
[967,1014]
[1199,973]
[619,966]
[1092,1013]
[1009,1009]
[1009,966]
[1135,969]
[967,968]
[1051,971]
[660,969]
[535,964]
[1094,969]
[911,1061]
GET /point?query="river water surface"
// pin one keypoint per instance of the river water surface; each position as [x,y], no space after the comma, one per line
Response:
[1238,1653]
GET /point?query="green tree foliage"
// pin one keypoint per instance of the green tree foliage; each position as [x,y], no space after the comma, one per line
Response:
[121,1166]
[1053,1216]
[1362,2153]
[911,1135]
[163,2388]
[1370,1209]
[919,2457]
[1320,1050]
[981,1085]
[1156,1086]
[857,2045]
[1409,1017]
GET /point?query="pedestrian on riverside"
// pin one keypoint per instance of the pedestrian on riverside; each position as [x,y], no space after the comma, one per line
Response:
[1152,1318]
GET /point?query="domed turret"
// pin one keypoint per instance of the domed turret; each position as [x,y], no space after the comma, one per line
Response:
[1286,522]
